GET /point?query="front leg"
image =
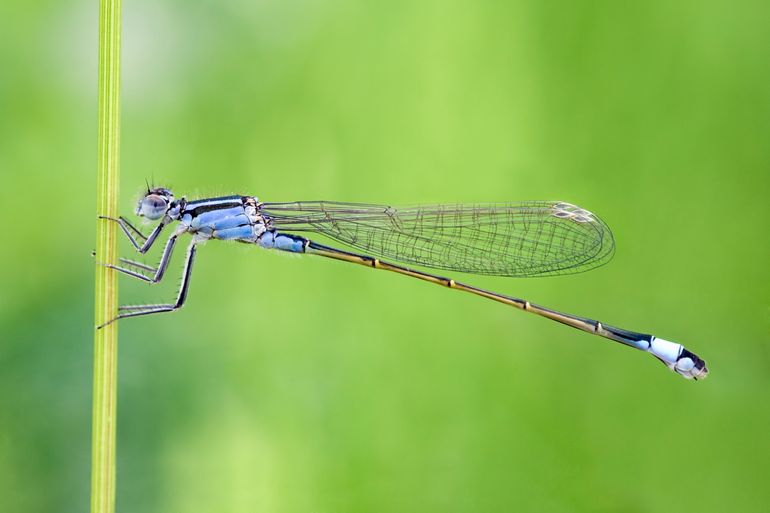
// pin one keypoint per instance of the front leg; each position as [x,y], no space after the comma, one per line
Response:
[139,310]
[128,228]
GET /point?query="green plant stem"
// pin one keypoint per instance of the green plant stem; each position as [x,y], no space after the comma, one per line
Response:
[106,291]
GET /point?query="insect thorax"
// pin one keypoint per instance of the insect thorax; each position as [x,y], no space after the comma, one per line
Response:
[226,218]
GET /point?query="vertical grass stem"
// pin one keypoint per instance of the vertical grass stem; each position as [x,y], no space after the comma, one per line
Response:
[106,292]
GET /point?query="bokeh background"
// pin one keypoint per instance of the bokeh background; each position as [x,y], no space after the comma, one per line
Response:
[293,384]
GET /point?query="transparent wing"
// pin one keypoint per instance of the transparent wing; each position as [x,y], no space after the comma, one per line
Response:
[538,238]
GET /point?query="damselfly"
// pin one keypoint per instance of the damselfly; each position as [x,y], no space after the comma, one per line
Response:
[536,238]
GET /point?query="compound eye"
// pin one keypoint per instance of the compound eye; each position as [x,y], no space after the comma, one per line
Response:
[152,206]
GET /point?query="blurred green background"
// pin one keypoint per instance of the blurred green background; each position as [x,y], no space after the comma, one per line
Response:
[305,385]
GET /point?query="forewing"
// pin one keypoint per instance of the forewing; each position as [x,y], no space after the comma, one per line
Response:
[538,238]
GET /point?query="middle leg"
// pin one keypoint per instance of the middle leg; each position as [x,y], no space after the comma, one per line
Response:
[139,310]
